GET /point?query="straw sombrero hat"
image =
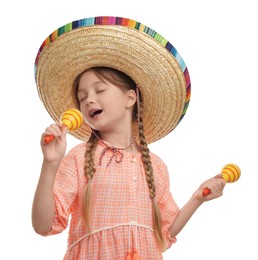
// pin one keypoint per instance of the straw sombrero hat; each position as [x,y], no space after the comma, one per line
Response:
[120,43]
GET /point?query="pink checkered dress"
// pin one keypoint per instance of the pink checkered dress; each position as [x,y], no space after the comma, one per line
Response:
[122,208]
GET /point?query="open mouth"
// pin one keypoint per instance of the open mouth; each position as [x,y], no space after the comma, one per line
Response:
[93,113]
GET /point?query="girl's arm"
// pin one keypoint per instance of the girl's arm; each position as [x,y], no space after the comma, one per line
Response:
[43,208]
[216,186]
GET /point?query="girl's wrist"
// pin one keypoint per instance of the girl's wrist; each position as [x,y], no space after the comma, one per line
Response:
[51,165]
[196,200]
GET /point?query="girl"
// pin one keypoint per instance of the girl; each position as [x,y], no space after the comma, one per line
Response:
[114,188]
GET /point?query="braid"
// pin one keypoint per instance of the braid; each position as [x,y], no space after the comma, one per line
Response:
[149,175]
[89,170]
[147,162]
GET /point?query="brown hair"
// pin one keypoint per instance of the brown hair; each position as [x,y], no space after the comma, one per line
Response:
[119,78]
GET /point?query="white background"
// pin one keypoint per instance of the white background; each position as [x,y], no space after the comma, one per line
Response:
[218,42]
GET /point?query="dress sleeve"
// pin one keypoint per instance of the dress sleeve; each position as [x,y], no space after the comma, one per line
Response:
[167,205]
[65,192]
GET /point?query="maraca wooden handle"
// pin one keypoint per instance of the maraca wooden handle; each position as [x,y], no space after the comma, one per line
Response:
[206,192]
[48,139]
[230,173]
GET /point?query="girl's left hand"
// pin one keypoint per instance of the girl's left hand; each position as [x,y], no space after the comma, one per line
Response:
[215,185]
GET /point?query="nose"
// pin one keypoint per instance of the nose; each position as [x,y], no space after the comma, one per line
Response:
[90,99]
[90,102]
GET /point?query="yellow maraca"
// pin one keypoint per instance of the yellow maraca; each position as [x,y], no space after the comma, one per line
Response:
[230,173]
[71,118]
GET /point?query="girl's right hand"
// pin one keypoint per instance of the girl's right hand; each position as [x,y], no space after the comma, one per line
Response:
[54,151]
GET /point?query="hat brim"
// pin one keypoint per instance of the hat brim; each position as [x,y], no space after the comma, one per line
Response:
[150,60]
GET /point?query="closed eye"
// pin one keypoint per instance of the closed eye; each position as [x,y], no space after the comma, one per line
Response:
[82,99]
[100,91]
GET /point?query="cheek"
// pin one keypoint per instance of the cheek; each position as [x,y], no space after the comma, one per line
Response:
[117,104]
[112,101]
[81,107]
[83,110]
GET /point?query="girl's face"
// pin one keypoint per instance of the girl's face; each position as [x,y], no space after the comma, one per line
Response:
[106,107]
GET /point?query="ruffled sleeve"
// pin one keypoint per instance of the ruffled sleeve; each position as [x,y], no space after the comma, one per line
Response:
[65,192]
[167,205]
